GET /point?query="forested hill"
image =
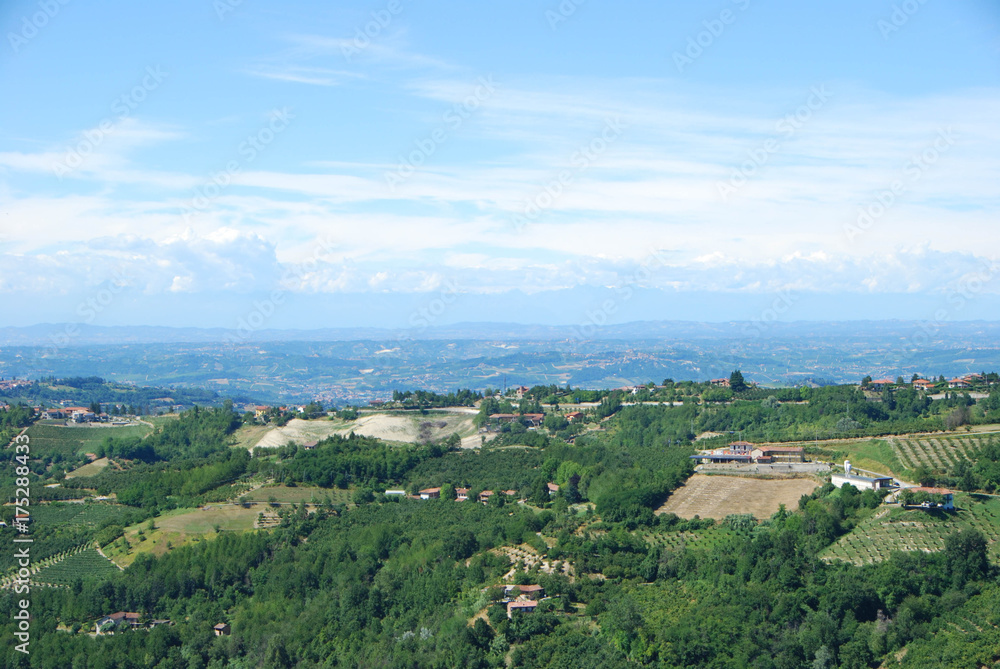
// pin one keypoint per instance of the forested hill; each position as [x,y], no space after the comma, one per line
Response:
[307,560]
[85,391]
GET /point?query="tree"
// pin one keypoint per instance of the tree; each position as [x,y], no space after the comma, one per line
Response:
[966,556]
[540,492]
[460,544]
[736,381]
[572,490]
[448,492]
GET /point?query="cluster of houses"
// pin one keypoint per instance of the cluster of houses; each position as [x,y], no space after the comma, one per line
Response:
[79,415]
[10,384]
[746,453]
[928,385]
[128,620]
[530,419]
[462,494]
[113,622]
[76,414]
[522,598]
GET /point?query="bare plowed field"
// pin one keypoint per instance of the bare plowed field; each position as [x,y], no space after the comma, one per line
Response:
[719,496]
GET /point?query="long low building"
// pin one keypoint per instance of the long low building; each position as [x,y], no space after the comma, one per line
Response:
[766,454]
[861,482]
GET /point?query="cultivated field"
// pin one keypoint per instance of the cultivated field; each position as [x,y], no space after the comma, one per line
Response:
[84,564]
[899,455]
[409,427]
[895,529]
[705,539]
[47,439]
[719,496]
[937,453]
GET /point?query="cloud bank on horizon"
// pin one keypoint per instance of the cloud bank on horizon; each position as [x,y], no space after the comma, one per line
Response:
[206,153]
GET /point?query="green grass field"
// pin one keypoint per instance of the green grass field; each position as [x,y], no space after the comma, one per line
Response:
[895,529]
[50,439]
[311,495]
[873,455]
[90,515]
[177,528]
[160,421]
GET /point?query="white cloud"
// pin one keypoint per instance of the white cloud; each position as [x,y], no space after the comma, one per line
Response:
[654,187]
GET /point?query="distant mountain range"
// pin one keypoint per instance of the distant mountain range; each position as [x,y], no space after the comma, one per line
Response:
[72,334]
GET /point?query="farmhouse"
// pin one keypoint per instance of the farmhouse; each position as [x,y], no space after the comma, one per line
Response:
[524,605]
[737,451]
[720,383]
[222,629]
[923,384]
[110,622]
[880,384]
[461,494]
[958,383]
[532,592]
[553,489]
[430,493]
[861,482]
[533,419]
[485,495]
[946,496]
[574,416]
[768,454]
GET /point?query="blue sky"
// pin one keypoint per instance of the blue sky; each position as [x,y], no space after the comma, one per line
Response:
[200,162]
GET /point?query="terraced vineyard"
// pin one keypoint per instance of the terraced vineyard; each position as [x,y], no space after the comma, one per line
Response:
[894,529]
[84,564]
[939,454]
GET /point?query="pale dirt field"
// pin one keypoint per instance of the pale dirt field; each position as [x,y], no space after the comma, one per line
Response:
[718,496]
[390,427]
[90,469]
